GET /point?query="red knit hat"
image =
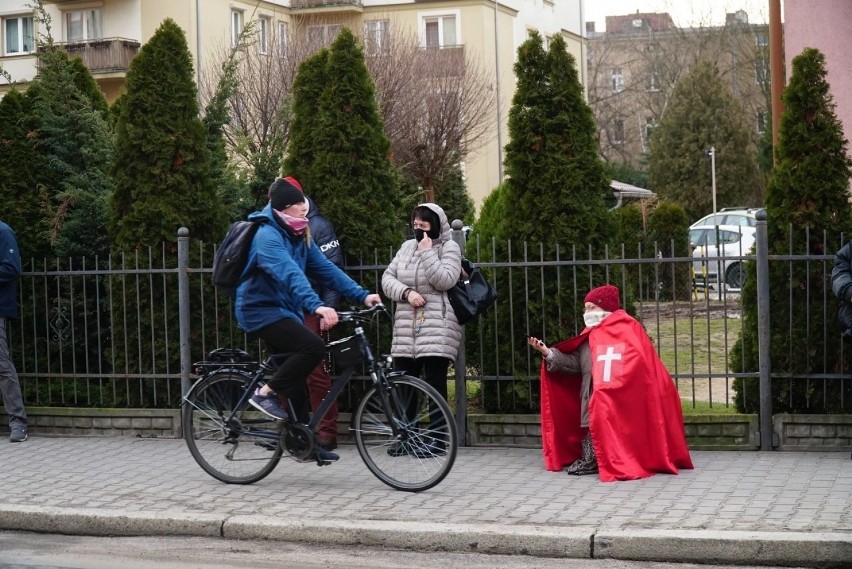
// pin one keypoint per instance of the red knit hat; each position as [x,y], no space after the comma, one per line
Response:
[294,181]
[606,297]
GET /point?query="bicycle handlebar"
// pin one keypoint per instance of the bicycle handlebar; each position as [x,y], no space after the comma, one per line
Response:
[361,315]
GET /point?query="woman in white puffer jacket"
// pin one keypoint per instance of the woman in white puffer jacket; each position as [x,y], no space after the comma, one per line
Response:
[426,333]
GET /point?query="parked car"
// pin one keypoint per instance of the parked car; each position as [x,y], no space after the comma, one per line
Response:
[729,216]
[715,249]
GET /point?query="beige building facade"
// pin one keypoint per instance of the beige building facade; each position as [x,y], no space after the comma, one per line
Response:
[106,34]
[634,65]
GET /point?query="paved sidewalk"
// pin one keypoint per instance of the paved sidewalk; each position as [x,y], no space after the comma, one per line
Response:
[778,508]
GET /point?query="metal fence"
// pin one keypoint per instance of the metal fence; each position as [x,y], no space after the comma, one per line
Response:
[124,331]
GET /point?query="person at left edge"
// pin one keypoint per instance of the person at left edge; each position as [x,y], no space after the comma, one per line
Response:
[10,386]
[271,302]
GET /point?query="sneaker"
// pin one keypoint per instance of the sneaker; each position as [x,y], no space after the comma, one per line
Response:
[269,404]
[19,434]
[325,456]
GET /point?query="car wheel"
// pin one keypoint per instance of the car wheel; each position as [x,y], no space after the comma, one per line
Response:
[735,275]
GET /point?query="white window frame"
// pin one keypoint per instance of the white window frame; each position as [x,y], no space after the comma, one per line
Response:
[21,44]
[647,132]
[327,34]
[237,25]
[282,31]
[264,23]
[617,80]
[762,121]
[762,40]
[438,16]
[761,71]
[87,33]
[376,36]
[652,82]
[618,131]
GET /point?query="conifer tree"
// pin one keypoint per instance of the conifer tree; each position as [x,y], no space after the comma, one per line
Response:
[808,209]
[553,197]
[21,204]
[703,113]
[308,87]
[352,177]
[553,161]
[75,144]
[162,166]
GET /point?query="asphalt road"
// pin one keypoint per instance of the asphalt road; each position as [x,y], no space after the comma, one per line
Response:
[50,551]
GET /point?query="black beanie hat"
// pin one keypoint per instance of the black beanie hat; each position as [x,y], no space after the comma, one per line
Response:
[283,194]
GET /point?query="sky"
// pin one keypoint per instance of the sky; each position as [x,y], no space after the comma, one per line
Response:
[683,12]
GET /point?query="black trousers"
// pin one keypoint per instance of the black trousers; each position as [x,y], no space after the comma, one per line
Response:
[434,372]
[305,349]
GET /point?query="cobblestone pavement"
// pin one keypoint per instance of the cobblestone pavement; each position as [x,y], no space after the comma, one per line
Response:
[776,495]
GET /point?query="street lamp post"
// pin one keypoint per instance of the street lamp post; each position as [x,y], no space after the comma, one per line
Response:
[712,154]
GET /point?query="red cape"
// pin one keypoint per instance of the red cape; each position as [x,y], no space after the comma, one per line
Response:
[634,412]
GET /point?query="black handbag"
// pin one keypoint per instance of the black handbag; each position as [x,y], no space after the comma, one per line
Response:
[472,295]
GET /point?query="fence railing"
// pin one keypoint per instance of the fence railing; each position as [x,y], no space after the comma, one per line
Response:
[123,331]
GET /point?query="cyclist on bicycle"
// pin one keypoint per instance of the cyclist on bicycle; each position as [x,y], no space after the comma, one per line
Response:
[271,302]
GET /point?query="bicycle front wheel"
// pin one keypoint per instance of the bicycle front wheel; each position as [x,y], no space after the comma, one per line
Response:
[406,434]
[235,447]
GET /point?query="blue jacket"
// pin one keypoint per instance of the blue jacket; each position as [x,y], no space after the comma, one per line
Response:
[10,272]
[280,264]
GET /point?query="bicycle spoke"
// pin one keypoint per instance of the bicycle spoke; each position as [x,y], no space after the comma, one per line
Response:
[237,447]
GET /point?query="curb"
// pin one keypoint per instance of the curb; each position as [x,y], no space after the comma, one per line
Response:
[823,549]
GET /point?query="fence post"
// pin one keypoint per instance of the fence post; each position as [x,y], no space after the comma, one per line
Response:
[763,333]
[461,363]
[183,307]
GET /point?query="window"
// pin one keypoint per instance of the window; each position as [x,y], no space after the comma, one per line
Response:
[263,35]
[618,131]
[18,32]
[376,36]
[762,40]
[322,35]
[82,25]
[439,31]
[236,27]
[282,37]
[648,131]
[617,80]
[761,121]
[761,74]
[652,82]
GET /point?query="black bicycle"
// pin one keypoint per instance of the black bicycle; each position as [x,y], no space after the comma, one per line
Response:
[403,428]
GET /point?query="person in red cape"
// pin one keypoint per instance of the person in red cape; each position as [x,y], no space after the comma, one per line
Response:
[608,404]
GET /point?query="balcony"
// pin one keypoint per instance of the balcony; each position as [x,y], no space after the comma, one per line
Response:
[309,6]
[105,55]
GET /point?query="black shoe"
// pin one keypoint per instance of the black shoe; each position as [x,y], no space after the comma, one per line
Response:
[325,456]
[18,435]
[328,443]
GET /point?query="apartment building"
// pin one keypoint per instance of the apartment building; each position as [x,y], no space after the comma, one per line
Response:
[634,65]
[106,34]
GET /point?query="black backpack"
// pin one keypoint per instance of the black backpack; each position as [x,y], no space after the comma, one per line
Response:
[230,259]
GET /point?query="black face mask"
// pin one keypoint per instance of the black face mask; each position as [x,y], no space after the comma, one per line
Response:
[419,234]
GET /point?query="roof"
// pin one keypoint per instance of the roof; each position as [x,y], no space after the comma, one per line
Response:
[620,189]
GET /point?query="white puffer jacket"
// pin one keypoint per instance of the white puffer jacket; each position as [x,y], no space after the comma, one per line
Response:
[432,329]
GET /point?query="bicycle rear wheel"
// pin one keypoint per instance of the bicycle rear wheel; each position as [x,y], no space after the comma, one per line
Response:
[420,452]
[241,450]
